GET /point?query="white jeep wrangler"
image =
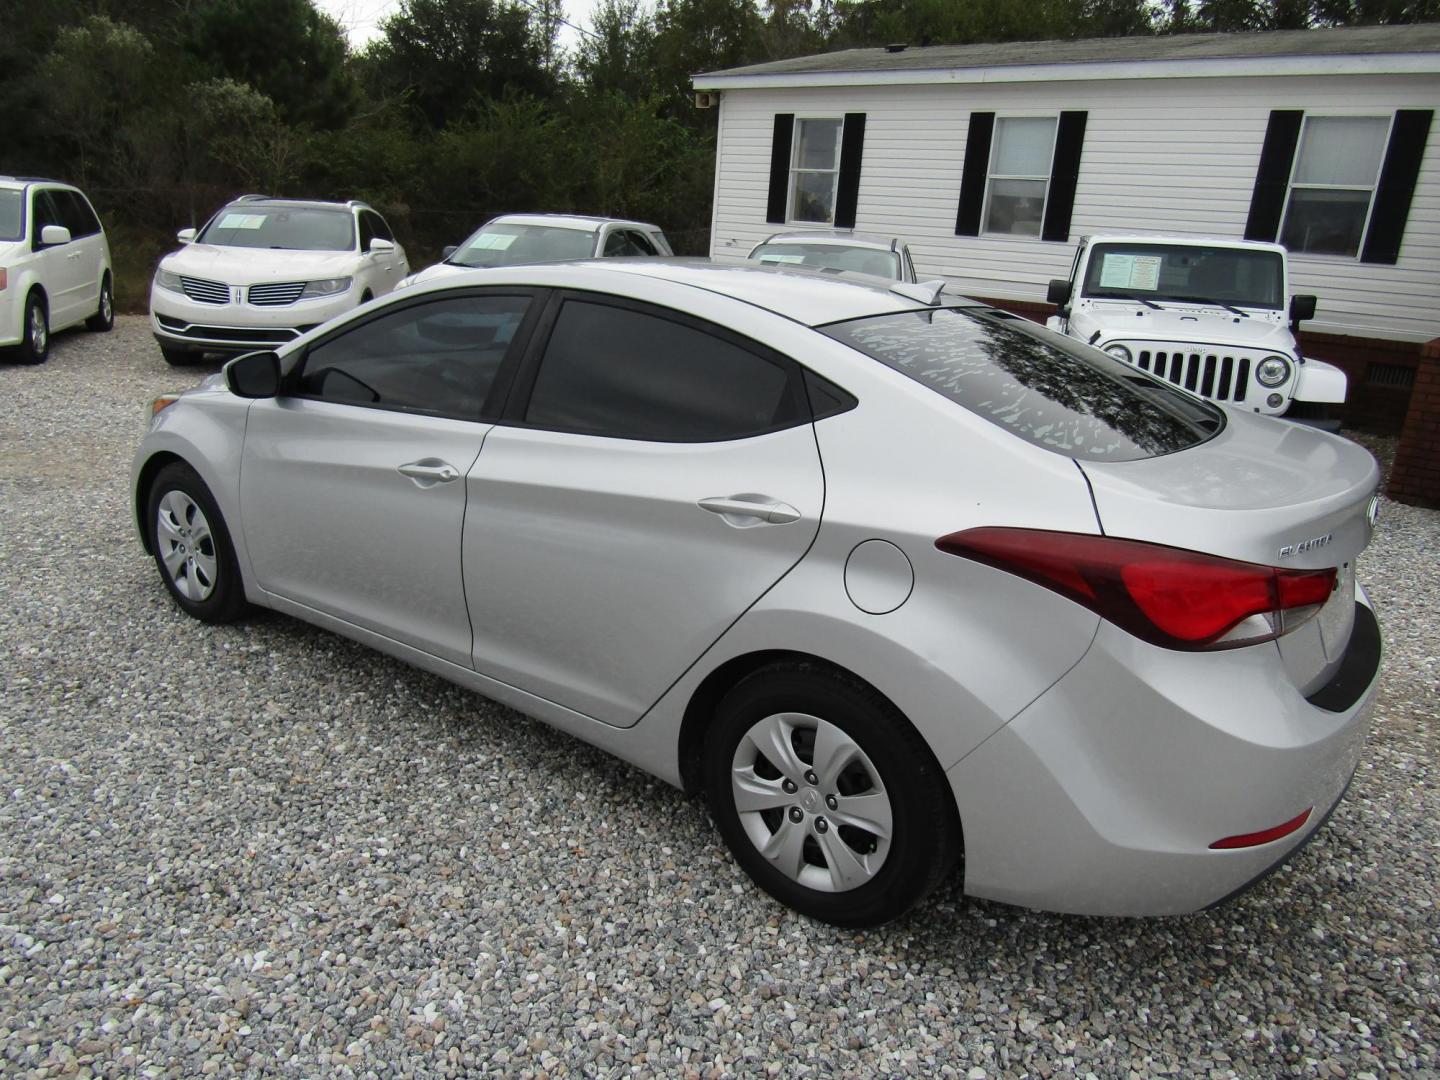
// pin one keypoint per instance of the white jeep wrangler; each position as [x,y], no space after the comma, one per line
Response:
[1208,315]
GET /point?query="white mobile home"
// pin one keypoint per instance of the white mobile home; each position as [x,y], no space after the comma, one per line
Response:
[992,160]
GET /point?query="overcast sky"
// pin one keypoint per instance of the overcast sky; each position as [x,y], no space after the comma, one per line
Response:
[361,18]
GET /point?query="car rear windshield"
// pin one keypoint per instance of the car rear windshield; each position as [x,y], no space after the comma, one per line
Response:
[286,227]
[884,264]
[1064,396]
[509,245]
[1186,272]
[12,214]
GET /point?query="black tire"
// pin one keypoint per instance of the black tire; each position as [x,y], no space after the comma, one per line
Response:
[211,568]
[104,318]
[179,357]
[34,347]
[924,839]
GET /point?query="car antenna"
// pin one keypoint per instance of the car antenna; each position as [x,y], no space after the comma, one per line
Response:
[927,292]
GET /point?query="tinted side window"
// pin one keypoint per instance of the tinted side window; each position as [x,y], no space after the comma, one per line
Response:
[367,230]
[624,243]
[75,213]
[631,375]
[46,213]
[439,358]
[379,227]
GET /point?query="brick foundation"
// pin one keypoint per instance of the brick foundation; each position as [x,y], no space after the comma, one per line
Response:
[1416,476]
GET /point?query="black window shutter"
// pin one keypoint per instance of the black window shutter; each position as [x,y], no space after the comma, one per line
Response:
[1397,185]
[780,167]
[976,169]
[852,148]
[1064,175]
[1272,179]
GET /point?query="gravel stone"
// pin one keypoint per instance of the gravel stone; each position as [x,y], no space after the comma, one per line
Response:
[264,850]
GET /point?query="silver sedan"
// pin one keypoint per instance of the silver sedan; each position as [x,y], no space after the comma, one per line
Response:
[900,582]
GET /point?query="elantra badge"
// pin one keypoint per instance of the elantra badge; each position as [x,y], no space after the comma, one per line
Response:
[1305,545]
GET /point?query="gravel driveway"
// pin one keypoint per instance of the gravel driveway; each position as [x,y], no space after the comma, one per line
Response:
[265,850]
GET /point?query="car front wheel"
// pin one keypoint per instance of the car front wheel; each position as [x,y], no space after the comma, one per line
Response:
[35,345]
[827,796]
[192,546]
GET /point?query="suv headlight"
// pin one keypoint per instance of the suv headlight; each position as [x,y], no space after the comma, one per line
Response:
[1272,371]
[1119,352]
[166,280]
[328,287]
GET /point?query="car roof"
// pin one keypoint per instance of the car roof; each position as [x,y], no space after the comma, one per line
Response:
[837,239]
[585,222]
[22,182]
[811,297]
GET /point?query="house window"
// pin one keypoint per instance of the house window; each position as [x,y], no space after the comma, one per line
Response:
[1333,183]
[815,170]
[1020,160]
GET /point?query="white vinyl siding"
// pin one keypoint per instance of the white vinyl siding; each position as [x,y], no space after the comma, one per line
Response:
[1160,156]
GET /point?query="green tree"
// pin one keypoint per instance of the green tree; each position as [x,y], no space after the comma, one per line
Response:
[447,56]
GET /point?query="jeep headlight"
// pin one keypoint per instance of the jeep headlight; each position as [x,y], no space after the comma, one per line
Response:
[166,280]
[1272,371]
[327,287]
[1119,352]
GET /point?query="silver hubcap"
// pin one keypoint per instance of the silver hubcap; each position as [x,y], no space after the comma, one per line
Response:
[38,330]
[811,802]
[187,547]
[107,304]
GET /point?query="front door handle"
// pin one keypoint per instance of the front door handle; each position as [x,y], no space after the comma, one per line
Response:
[429,471]
[757,508]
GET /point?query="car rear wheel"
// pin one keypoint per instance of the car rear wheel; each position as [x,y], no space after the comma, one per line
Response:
[104,317]
[827,796]
[35,345]
[192,546]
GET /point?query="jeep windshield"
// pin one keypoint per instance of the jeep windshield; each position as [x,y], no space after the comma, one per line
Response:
[502,244]
[1186,272]
[290,228]
[12,214]
[1034,383]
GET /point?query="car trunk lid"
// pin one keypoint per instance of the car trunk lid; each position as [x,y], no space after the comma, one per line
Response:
[1262,491]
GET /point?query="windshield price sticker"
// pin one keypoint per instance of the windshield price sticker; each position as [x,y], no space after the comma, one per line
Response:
[1131,272]
[494,241]
[242,221]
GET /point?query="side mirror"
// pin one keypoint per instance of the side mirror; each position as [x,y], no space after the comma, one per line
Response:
[52,235]
[379,244]
[1058,293]
[1302,307]
[448,250]
[186,236]
[254,375]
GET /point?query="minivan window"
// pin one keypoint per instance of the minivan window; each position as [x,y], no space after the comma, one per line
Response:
[1065,397]
[12,214]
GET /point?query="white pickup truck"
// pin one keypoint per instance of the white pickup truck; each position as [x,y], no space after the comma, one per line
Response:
[1208,315]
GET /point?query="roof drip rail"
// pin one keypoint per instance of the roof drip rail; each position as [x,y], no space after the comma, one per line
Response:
[251,197]
[927,292]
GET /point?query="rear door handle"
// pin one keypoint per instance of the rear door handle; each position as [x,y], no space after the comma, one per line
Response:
[758,508]
[429,471]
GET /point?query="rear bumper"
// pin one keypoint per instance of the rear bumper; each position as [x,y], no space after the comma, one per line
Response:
[1104,796]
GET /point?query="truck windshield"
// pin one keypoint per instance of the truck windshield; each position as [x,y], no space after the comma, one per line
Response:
[1186,272]
[1034,383]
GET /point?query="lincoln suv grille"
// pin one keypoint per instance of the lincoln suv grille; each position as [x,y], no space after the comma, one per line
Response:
[276,295]
[205,292]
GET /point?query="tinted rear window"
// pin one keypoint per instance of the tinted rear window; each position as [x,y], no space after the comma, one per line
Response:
[1068,398]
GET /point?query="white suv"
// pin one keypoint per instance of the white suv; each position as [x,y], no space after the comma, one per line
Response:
[54,265]
[263,271]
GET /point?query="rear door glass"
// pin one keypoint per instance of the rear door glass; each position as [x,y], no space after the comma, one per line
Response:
[1036,384]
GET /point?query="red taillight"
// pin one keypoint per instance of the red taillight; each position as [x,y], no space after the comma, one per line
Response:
[1264,836]
[1167,596]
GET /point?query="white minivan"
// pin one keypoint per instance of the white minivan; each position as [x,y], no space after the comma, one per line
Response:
[54,265]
